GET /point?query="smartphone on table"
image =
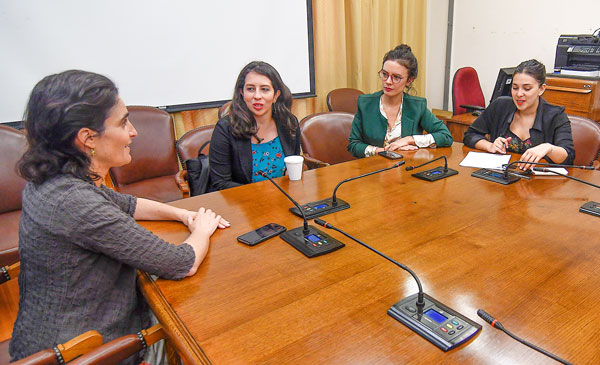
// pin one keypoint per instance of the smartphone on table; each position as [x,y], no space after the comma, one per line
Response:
[392,155]
[261,234]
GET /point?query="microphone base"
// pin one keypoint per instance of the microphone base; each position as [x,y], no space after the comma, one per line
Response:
[495,176]
[315,243]
[438,324]
[437,173]
[591,207]
[320,208]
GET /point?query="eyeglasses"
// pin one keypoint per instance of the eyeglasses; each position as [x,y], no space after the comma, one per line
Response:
[395,78]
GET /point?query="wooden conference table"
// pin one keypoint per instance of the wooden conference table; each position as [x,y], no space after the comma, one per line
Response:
[521,252]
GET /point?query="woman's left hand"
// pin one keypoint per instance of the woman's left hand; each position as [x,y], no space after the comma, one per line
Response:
[534,154]
[188,216]
[402,144]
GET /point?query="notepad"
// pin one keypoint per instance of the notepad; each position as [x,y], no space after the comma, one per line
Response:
[483,160]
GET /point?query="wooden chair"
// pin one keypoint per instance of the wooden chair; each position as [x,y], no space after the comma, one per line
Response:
[59,354]
[121,348]
[325,138]
[343,100]
[13,144]
[586,138]
[153,172]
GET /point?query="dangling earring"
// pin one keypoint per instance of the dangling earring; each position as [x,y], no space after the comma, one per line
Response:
[93,152]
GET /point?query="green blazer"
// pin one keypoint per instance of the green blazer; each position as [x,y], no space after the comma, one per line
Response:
[369,126]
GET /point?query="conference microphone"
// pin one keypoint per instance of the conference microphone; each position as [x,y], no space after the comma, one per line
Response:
[506,177]
[491,320]
[432,320]
[307,239]
[333,204]
[590,207]
[437,173]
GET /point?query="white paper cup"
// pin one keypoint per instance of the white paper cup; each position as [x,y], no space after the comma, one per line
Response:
[294,166]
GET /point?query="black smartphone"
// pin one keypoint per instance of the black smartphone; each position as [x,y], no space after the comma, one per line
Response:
[391,155]
[262,234]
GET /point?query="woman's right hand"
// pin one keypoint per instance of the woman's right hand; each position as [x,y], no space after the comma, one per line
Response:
[499,145]
[206,221]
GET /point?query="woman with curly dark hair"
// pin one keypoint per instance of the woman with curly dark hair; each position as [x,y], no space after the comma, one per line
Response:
[258,132]
[79,243]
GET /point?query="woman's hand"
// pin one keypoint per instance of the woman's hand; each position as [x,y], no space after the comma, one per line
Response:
[205,221]
[499,145]
[188,216]
[402,144]
[534,154]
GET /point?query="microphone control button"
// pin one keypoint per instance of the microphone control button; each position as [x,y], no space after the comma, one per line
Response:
[449,325]
[451,332]
[444,329]
[411,309]
[454,322]
[460,327]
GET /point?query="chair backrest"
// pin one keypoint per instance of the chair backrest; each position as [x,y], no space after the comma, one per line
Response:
[121,348]
[325,136]
[224,109]
[343,100]
[13,144]
[586,138]
[188,145]
[153,157]
[466,90]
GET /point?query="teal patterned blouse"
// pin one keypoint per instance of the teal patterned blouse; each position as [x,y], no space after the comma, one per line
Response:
[267,157]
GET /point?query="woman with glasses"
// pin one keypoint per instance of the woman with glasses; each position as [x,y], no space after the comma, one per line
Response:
[391,119]
[257,134]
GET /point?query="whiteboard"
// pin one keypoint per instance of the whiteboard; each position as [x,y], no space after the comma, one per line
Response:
[181,54]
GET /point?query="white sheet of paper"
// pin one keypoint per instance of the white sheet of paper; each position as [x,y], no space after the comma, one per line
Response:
[484,160]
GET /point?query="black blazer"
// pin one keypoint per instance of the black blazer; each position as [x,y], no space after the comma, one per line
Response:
[551,125]
[230,158]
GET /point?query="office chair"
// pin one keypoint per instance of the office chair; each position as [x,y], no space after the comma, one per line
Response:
[343,100]
[467,96]
[121,348]
[325,138]
[153,172]
[586,138]
[13,144]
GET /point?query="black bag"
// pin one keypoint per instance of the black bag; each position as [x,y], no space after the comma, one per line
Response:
[198,172]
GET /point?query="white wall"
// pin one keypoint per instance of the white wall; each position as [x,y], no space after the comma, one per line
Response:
[489,35]
[437,27]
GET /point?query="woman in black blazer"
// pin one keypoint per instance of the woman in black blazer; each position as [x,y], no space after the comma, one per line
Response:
[258,132]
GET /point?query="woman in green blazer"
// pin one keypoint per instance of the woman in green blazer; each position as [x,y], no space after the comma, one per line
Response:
[392,120]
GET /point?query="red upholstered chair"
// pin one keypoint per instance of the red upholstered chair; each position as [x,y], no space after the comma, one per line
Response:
[586,138]
[467,96]
[13,144]
[121,348]
[343,100]
[325,138]
[153,172]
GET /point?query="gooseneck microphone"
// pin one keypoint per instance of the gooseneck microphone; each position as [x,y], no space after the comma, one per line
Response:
[494,322]
[437,173]
[408,168]
[506,177]
[331,205]
[420,301]
[507,167]
[432,320]
[306,239]
[334,200]
[544,169]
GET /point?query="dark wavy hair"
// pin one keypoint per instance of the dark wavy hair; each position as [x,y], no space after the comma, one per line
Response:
[533,68]
[59,106]
[404,56]
[243,124]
